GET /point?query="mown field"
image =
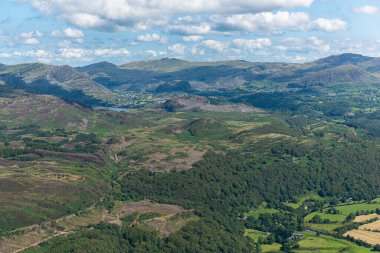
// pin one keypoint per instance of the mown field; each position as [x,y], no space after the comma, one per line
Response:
[318,243]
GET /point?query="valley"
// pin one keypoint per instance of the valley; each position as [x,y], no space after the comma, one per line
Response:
[169,156]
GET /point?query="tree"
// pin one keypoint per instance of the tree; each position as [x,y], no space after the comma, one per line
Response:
[376,247]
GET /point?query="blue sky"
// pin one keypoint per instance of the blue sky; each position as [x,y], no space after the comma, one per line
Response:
[80,32]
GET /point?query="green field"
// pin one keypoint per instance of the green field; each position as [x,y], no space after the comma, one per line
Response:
[344,211]
[256,213]
[324,227]
[347,209]
[321,243]
[328,244]
[273,248]
[254,234]
[303,198]
[331,217]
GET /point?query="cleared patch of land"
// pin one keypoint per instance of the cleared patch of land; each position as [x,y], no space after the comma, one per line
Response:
[256,213]
[331,217]
[170,218]
[367,236]
[147,206]
[328,244]
[363,218]
[374,226]
[353,208]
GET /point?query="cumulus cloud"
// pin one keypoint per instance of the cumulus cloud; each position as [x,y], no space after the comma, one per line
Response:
[318,44]
[32,41]
[69,33]
[192,38]
[28,35]
[152,37]
[154,53]
[250,44]
[73,52]
[329,25]
[81,52]
[275,22]
[216,45]
[367,9]
[299,45]
[177,48]
[191,29]
[111,52]
[262,21]
[117,14]
[198,51]
[30,38]
[39,54]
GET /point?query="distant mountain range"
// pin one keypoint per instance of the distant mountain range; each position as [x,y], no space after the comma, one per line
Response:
[96,82]
[147,75]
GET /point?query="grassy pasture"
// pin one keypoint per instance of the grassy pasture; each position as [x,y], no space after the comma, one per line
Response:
[324,227]
[273,248]
[353,208]
[331,217]
[254,234]
[328,244]
[322,243]
[256,213]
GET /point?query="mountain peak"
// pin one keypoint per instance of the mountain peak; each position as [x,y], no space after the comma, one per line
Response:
[102,64]
[159,65]
[343,59]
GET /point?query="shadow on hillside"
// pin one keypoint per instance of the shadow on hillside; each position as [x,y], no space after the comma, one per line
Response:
[43,87]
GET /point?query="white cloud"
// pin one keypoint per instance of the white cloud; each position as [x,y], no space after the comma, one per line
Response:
[117,14]
[367,9]
[216,45]
[32,41]
[111,52]
[264,21]
[318,44]
[252,44]
[305,46]
[177,48]
[30,38]
[38,53]
[152,37]
[73,33]
[192,38]
[329,25]
[69,33]
[28,35]
[73,52]
[201,29]
[6,55]
[281,48]
[154,53]
[198,51]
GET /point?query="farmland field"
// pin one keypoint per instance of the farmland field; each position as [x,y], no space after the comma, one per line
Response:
[371,226]
[353,208]
[363,218]
[331,217]
[328,244]
[256,213]
[367,236]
